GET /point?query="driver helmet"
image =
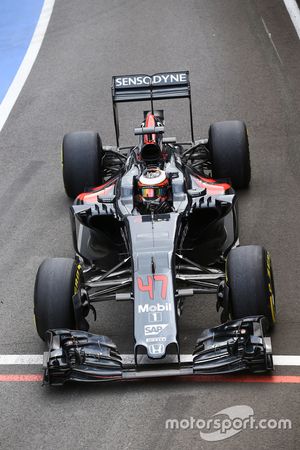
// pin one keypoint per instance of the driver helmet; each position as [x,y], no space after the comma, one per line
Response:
[153,185]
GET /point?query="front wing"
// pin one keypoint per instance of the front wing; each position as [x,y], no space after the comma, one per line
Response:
[235,346]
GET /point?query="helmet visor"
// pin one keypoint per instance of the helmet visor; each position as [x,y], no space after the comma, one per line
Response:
[153,192]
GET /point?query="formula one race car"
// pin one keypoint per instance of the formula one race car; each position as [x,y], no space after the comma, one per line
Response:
[153,224]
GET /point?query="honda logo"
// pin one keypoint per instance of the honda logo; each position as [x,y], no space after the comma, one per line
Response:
[156,349]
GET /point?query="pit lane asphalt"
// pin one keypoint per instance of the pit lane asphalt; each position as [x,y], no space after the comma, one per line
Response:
[235,73]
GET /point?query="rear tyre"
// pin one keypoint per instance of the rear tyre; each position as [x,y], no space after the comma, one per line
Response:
[251,285]
[229,148]
[81,158]
[57,280]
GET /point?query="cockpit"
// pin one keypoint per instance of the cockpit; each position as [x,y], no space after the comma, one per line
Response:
[153,191]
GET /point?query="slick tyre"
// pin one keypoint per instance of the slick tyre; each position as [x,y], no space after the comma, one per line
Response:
[57,280]
[229,150]
[251,286]
[81,158]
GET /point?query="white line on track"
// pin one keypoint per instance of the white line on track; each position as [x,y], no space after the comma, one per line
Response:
[271,40]
[27,63]
[11,360]
[286,360]
[294,12]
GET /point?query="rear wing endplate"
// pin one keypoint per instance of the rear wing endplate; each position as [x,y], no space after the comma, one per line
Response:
[141,87]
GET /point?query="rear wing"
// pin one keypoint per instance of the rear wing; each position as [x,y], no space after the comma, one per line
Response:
[141,87]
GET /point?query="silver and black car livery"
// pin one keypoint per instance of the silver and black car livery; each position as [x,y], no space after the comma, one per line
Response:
[154,224]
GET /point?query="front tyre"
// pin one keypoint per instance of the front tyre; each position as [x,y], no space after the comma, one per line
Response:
[81,158]
[249,277]
[57,280]
[229,150]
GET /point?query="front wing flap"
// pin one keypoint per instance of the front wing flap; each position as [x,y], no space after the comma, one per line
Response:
[235,346]
[80,356]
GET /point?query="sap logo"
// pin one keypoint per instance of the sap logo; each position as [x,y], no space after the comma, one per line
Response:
[145,80]
[154,308]
[153,330]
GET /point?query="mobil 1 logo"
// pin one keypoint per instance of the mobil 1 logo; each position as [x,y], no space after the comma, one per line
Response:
[154,317]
